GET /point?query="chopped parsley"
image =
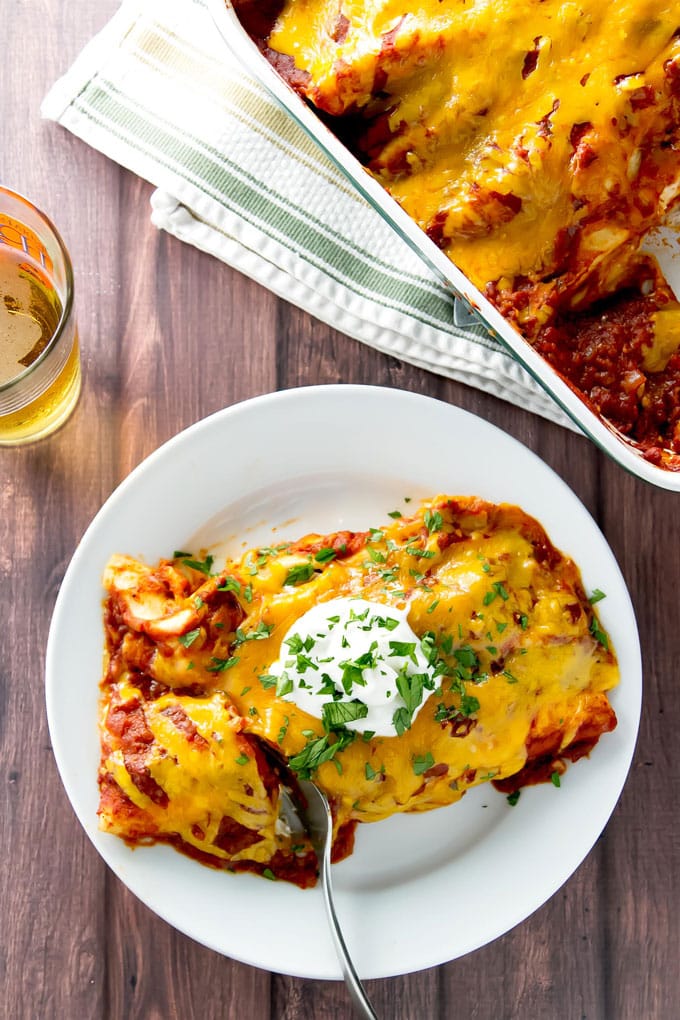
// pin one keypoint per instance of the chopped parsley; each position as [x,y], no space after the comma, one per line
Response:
[468,704]
[598,633]
[220,665]
[202,566]
[283,730]
[325,555]
[338,713]
[497,591]
[259,633]
[404,649]
[401,721]
[513,797]
[230,584]
[188,639]
[299,574]
[597,596]
[422,762]
[319,750]
[284,686]
[433,521]
[555,779]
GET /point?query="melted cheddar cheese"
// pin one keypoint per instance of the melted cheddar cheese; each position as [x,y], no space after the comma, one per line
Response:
[195,740]
[504,127]
[536,142]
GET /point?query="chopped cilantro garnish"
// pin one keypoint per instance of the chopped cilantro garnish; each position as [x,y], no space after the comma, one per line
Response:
[597,596]
[394,514]
[555,778]
[188,639]
[203,566]
[598,633]
[283,730]
[338,713]
[497,590]
[513,797]
[422,762]
[405,649]
[319,750]
[300,573]
[369,771]
[468,704]
[259,633]
[445,713]
[446,643]
[419,552]
[230,584]
[433,521]
[325,555]
[220,665]
[466,656]
[284,685]
[351,674]
[401,720]
[411,690]
[303,663]
[242,759]
[389,575]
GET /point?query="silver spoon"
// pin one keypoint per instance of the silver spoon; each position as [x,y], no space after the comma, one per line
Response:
[318,823]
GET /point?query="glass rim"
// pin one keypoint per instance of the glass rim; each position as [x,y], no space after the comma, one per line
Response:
[67,307]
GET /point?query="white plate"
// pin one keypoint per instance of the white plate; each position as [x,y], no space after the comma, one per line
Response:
[419,890]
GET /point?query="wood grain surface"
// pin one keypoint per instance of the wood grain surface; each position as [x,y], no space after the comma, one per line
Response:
[168,336]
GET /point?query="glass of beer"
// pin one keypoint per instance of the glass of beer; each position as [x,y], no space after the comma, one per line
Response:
[39,356]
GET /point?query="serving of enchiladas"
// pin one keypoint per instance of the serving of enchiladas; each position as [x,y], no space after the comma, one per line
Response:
[398,667]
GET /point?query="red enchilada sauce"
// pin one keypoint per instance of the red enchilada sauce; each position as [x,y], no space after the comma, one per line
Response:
[601,355]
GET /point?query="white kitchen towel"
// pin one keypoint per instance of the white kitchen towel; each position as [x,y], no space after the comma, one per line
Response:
[159,92]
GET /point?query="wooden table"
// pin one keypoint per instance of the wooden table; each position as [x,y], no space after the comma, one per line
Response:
[168,336]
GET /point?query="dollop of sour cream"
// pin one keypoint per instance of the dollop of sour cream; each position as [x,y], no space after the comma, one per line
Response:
[355,663]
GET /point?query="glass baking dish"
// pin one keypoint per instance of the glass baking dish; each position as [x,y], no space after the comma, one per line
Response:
[599,431]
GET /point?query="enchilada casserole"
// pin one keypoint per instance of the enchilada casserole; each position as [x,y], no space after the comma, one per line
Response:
[537,142]
[398,667]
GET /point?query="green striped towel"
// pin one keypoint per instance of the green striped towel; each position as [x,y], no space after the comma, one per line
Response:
[159,92]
